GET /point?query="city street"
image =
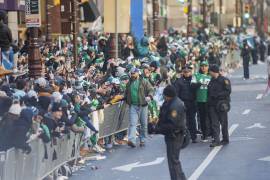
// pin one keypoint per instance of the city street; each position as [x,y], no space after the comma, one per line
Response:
[247,157]
[77,77]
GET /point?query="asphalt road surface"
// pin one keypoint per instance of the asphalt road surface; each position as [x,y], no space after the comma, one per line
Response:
[247,157]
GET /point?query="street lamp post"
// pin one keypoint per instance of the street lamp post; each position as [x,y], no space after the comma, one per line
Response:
[34,59]
[74,7]
[33,22]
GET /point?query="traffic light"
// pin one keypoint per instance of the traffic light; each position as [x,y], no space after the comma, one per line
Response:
[247,8]
[56,2]
[247,11]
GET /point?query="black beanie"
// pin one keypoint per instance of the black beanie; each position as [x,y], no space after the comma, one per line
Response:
[169,91]
[154,64]
[214,68]
[3,15]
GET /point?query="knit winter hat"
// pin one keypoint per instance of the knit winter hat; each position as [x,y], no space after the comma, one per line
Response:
[214,68]
[169,91]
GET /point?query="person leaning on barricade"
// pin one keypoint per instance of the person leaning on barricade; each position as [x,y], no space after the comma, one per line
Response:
[18,133]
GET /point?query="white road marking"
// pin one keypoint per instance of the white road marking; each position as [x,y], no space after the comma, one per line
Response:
[246,112]
[256,125]
[129,167]
[198,172]
[241,139]
[260,96]
[265,159]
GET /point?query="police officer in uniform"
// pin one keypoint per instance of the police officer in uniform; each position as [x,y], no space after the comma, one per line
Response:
[245,53]
[186,91]
[219,90]
[172,124]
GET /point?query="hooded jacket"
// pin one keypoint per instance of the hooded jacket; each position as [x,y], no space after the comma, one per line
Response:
[21,128]
[6,128]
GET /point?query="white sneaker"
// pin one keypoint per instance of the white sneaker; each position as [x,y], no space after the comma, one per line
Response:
[98,149]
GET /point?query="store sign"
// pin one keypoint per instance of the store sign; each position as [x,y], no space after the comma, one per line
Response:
[32,13]
[22,2]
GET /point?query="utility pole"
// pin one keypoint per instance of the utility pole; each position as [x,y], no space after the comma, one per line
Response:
[155,4]
[237,13]
[241,13]
[204,13]
[262,18]
[189,20]
[74,7]
[49,5]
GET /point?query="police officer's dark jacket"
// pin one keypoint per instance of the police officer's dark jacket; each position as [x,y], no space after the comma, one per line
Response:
[185,90]
[219,89]
[172,118]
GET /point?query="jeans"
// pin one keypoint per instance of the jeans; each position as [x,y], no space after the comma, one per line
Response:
[137,113]
[191,118]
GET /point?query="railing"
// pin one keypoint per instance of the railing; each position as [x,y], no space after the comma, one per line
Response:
[42,161]
[46,158]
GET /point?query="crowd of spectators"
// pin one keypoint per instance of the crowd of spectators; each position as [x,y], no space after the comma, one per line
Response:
[61,101]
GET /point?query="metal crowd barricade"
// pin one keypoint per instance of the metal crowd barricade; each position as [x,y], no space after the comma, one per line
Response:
[112,119]
[42,161]
[46,158]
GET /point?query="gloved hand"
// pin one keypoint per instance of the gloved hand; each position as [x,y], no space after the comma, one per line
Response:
[151,128]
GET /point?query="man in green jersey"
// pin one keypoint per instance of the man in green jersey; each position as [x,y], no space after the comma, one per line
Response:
[139,92]
[202,78]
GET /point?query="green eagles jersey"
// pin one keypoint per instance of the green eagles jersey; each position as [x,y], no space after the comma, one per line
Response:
[134,92]
[204,79]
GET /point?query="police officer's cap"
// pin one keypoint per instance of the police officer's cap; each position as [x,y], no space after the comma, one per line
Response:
[186,68]
[169,91]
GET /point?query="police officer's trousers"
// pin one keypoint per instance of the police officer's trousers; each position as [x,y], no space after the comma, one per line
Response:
[219,118]
[246,68]
[191,118]
[173,152]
